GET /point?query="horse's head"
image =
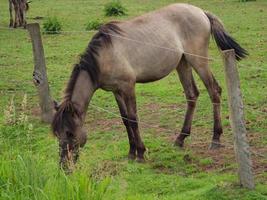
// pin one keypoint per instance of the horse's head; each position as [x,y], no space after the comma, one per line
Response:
[67,127]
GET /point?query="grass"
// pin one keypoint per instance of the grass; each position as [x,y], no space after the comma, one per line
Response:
[93,25]
[29,152]
[52,26]
[114,8]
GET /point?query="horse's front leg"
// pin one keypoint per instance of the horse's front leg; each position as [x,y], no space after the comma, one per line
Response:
[124,116]
[23,17]
[10,14]
[17,16]
[130,102]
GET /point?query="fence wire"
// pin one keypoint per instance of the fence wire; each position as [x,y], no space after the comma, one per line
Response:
[175,50]
[226,144]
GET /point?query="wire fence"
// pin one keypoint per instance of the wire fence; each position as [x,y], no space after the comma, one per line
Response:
[152,45]
[174,50]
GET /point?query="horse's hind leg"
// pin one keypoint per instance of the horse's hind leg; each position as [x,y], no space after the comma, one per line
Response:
[124,115]
[191,92]
[201,67]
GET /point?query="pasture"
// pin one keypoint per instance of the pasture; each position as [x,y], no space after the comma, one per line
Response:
[29,151]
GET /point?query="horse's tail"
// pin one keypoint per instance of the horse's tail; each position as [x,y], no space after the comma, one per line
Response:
[223,39]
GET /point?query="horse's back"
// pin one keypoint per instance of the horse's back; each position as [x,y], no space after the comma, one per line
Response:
[180,18]
[152,45]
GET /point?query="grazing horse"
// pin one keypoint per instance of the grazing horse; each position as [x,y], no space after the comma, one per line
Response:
[20,7]
[141,50]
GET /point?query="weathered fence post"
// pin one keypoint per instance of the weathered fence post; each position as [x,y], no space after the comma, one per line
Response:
[237,120]
[39,73]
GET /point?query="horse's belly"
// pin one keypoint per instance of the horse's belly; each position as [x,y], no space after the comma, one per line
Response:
[157,67]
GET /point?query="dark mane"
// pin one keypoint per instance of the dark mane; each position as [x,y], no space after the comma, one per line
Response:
[88,62]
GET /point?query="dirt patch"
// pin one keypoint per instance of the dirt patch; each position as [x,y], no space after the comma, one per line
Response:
[152,107]
[104,124]
[155,107]
[223,159]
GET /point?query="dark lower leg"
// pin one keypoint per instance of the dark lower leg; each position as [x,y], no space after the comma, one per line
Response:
[23,18]
[123,112]
[11,16]
[191,93]
[132,150]
[16,17]
[11,22]
[217,127]
[133,120]
[138,141]
[186,129]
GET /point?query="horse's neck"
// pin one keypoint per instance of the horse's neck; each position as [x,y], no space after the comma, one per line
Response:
[82,92]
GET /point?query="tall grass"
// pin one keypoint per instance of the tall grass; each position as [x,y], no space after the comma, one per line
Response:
[27,177]
[27,172]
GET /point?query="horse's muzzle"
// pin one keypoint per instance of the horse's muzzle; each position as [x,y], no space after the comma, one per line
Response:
[68,157]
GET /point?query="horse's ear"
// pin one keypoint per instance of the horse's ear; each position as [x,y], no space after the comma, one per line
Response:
[56,105]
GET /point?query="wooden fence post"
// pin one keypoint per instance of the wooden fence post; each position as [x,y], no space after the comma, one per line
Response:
[235,102]
[39,73]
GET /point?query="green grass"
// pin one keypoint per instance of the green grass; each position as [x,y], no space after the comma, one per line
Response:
[29,152]
[93,25]
[52,26]
[114,8]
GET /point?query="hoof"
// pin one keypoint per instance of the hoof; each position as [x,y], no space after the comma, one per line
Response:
[140,160]
[131,156]
[179,143]
[215,145]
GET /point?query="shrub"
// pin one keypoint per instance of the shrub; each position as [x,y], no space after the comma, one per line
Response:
[52,26]
[93,25]
[114,8]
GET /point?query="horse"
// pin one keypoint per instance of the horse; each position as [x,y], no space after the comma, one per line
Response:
[20,7]
[141,50]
